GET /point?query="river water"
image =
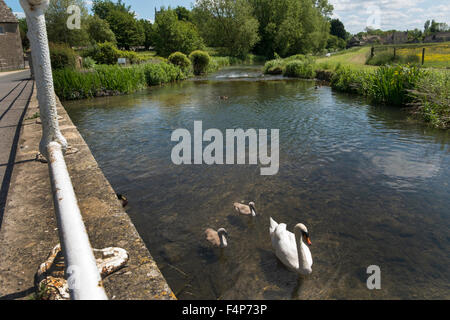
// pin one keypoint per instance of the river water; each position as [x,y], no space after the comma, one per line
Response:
[371,185]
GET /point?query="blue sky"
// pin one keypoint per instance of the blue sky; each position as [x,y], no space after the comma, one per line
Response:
[389,14]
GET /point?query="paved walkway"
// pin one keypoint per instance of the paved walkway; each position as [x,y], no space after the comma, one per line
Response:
[15,93]
[28,226]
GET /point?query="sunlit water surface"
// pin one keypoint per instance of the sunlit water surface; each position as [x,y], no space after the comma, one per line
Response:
[371,185]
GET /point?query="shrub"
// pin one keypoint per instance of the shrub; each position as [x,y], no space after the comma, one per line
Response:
[62,56]
[180,59]
[385,58]
[107,53]
[104,53]
[131,56]
[300,57]
[88,63]
[103,80]
[300,69]
[348,80]
[431,99]
[335,43]
[275,66]
[200,61]
[112,80]
[171,35]
[390,84]
[387,84]
[156,74]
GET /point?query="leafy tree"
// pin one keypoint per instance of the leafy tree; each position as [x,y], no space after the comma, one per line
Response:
[228,23]
[56,18]
[415,35]
[23,28]
[103,8]
[426,26]
[337,29]
[62,56]
[99,30]
[325,8]
[122,22]
[127,30]
[291,26]
[336,43]
[183,14]
[432,26]
[171,35]
[148,33]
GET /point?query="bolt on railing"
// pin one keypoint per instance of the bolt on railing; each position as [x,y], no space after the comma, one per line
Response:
[81,270]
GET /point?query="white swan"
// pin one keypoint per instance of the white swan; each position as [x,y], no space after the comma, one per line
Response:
[290,248]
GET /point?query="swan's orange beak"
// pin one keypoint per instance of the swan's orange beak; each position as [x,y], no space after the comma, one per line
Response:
[308,241]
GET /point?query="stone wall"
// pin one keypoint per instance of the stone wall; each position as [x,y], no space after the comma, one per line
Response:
[29,230]
[11,52]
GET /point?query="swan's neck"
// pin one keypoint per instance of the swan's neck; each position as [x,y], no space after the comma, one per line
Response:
[302,263]
[252,209]
[223,241]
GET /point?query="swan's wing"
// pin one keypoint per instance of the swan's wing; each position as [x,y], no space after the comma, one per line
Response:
[212,236]
[242,208]
[285,247]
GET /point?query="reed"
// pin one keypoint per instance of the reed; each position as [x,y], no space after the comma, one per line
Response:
[431,99]
[105,80]
[390,84]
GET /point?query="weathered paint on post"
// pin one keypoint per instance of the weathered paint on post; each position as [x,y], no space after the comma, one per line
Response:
[81,270]
[84,279]
[37,34]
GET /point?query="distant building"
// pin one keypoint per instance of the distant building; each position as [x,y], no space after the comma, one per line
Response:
[11,52]
[397,37]
[356,41]
[438,37]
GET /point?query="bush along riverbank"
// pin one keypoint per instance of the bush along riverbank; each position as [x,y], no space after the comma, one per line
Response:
[104,80]
[98,80]
[424,93]
[297,66]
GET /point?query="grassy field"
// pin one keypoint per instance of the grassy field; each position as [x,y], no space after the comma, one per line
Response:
[354,58]
[424,91]
[437,55]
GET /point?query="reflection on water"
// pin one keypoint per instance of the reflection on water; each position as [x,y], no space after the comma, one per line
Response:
[371,186]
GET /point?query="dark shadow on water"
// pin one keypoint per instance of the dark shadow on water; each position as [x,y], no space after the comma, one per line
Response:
[237,221]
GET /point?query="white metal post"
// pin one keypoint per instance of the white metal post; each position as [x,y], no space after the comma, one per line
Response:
[81,270]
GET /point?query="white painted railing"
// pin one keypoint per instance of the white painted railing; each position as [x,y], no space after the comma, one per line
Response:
[81,270]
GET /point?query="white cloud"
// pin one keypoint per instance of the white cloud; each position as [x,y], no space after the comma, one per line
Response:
[393,14]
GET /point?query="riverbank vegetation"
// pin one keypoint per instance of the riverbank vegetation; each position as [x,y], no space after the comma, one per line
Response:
[424,93]
[103,80]
[431,99]
[297,66]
